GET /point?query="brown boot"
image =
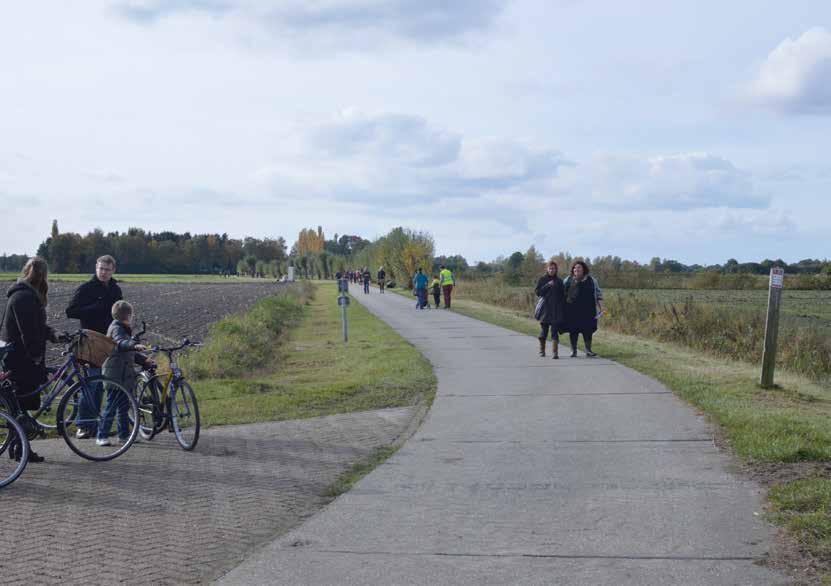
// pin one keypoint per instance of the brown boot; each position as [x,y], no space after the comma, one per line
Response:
[555,347]
[542,346]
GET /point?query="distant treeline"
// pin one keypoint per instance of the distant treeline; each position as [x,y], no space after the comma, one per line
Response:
[140,252]
[521,268]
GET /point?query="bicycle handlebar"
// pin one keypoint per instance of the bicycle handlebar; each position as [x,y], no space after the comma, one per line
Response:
[185,343]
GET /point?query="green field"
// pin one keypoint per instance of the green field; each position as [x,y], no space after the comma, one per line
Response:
[800,308]
[127,278]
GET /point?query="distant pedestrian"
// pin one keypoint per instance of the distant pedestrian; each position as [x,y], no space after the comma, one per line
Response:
[420,287]
[447,281]
[435,287]
[382,279]
[551,312]
[367,279]
[120,367]
[24,327]
[584,304]
[92,304]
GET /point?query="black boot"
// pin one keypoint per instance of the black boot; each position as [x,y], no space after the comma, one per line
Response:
[555,350]
[589,353]
[34,458]
[573,351]
[542,346]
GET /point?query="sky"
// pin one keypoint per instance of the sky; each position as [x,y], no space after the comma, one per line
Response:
[692,130]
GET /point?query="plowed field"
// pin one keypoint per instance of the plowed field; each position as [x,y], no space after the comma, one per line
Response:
[172,311]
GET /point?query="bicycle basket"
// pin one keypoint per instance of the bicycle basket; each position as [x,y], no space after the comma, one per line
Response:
[94,348]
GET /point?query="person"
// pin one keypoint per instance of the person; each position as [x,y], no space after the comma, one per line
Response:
[24,328]
[583,305]
[447,281]
[420,286]
[550,288]
[436,288]
[119,367]
[382,276]
[92,304]
[367,278]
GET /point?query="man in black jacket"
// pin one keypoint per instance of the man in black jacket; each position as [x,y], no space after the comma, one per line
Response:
[92,303]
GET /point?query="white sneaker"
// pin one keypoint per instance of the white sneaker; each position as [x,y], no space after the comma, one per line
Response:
[103,442]
[82,434]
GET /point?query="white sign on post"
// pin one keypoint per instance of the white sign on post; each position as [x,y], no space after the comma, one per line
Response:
[777,278]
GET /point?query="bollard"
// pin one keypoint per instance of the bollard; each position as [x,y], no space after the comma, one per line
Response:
[343,301]
[777,282]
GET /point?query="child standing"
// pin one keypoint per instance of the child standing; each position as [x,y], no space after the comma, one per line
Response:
[435,287]
[119,366]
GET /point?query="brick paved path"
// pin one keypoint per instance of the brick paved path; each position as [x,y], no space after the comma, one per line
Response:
[163,516]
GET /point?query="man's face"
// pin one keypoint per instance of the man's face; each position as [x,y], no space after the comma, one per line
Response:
[104,272]
[552,270]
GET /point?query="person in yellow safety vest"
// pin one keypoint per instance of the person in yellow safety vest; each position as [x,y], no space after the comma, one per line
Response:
[447,281]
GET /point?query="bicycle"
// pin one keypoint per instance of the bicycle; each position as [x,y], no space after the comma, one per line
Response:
[12,440]
[72,384]
[166,400]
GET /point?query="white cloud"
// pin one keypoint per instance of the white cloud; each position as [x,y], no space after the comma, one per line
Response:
[796,76]
[685,181]
[345,23]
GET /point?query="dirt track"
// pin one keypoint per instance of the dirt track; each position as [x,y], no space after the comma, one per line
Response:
[172,311]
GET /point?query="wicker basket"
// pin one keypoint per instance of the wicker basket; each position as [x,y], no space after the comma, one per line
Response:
[94,348]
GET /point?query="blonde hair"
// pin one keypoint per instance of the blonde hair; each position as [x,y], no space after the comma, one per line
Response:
[35,272]
[121,309]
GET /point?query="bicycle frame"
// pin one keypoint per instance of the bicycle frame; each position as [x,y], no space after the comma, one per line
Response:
[63,378]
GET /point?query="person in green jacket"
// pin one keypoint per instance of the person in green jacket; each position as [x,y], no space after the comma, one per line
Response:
[435,288]
[447,282]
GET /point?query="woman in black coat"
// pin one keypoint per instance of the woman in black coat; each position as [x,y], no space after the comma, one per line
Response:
[583,306]
[24,327]
[550,289]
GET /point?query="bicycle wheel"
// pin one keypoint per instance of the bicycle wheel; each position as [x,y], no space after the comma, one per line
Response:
[152,419]
[184,415]
[12,439]
[117,405]
[44,419]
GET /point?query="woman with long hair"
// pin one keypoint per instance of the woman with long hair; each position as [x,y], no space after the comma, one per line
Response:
[584,303]
[24,327]
[551,314]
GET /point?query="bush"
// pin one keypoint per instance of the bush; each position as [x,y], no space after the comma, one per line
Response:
[241,344]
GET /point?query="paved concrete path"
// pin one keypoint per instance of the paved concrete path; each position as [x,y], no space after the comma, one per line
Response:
[530,470]
[159,515]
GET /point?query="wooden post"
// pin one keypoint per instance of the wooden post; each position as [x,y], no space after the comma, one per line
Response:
[777,281]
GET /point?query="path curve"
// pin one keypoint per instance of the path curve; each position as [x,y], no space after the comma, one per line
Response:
[530,470]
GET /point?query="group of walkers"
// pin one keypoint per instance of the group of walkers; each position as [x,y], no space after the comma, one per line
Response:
[99,306]
[442,284]
[572,306]
[363,276]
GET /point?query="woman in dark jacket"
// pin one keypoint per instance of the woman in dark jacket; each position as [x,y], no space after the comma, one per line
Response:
[550,289]
[24,327]
[583,306]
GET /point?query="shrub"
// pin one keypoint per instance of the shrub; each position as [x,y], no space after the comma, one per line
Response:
[241,344]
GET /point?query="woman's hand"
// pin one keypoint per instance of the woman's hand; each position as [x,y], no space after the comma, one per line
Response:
[141,348]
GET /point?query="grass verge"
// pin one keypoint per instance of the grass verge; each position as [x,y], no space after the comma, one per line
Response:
[777,431]
[804,507]
[311,372]
[348,479]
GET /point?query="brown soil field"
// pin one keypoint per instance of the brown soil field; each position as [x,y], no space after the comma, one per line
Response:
[172,311]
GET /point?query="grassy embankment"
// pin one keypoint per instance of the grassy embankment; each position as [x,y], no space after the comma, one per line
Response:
[783,431]
[286,359]
[150,279]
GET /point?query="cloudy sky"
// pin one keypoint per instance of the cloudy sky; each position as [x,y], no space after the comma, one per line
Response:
[696,130]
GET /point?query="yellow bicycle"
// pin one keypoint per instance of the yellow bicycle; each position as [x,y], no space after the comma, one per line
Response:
[166,401]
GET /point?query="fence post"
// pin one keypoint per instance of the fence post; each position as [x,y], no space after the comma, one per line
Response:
[777,281]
